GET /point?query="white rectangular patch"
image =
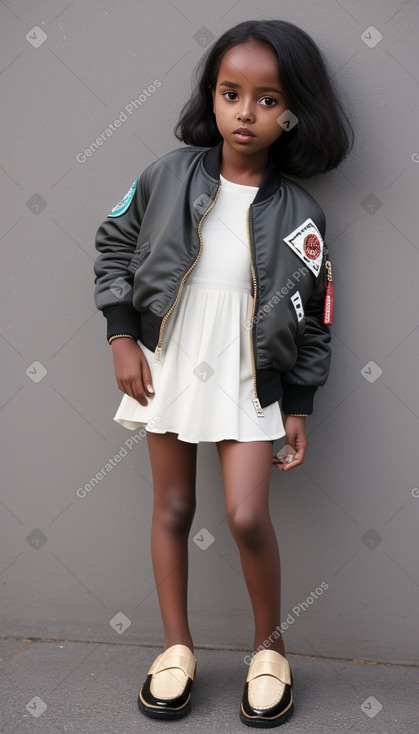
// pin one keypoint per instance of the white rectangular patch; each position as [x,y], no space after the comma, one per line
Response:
[306,241]
[296,302]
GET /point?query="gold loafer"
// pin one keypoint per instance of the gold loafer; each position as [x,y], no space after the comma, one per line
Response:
[166,693]
[267,696]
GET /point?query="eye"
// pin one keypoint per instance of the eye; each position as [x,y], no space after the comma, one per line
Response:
[268,101]
[234,97]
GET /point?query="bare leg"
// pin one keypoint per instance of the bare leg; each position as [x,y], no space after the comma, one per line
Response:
[246,471]
[173,464]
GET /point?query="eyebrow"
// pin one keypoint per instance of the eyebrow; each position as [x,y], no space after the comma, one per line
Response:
[258,89]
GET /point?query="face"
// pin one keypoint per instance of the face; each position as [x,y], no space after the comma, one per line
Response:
[248,98]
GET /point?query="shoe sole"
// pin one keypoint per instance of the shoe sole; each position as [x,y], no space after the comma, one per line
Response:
[267,723]
[156,713]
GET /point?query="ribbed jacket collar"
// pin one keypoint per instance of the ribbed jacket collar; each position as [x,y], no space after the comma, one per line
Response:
[271,180]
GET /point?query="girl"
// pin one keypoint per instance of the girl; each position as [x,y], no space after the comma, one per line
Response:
[213,275]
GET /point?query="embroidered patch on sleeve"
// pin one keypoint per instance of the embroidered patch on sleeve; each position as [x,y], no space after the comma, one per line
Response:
[123,205]
[297,303]
[306,241]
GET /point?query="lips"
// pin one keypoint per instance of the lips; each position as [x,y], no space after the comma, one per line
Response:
[244,131]
[243,134]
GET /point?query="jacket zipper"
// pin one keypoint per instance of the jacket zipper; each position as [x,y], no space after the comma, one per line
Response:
[256,402]
[158,350]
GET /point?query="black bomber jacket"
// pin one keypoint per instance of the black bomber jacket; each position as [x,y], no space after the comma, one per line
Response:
[151,240]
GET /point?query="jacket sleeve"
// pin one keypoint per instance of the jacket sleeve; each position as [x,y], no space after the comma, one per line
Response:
[312,366]
[116,241]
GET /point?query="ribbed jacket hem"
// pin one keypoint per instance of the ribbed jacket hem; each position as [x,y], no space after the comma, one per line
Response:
[123,318]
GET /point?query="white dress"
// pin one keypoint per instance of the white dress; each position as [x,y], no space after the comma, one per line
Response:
[204,382]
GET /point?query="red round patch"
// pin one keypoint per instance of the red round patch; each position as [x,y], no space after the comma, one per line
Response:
[312,246]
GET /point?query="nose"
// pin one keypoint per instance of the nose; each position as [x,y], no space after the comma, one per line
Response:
[246,112]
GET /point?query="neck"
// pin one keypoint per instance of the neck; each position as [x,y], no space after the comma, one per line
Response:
[246,169]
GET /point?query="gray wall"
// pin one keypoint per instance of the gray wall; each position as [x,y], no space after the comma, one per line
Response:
[75,566]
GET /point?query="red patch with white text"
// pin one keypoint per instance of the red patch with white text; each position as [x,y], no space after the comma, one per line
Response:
[312,247]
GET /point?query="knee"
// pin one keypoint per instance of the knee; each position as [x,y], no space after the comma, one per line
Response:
[248,529]
[175,513]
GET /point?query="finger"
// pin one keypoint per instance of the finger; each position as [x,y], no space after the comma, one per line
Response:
[135,389]
[146,376]
[280,467]
[140,392]
[297,460]
[286,455]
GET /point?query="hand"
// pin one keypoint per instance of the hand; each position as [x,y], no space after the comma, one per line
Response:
[295,437]
[132,372]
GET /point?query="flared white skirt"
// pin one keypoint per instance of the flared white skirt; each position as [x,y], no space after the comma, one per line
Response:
[204,382]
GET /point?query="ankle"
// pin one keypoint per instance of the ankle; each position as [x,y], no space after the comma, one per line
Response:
[178,640]
[275,646]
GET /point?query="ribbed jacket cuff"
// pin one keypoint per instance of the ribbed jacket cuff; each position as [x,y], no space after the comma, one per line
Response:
[122,318]
[297,398]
